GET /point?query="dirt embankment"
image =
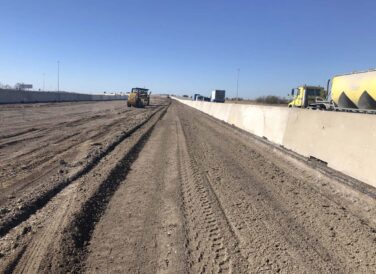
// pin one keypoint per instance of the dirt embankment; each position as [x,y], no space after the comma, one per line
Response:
[185,193]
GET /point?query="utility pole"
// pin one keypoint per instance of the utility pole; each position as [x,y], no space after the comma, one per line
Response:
[237,86]
[58,76]
[43,81]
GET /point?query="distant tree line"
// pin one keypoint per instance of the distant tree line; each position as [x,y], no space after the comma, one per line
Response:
[267,100]
[234,99]
[271,99]
[4,86]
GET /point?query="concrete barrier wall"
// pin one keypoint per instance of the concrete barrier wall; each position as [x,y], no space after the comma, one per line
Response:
[346,141]
[263,121]
[17,96]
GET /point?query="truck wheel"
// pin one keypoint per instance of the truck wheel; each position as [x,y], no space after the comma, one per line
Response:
[129,105]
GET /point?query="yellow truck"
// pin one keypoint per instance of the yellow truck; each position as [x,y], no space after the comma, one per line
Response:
[139,97]
[348,92]
[305,96]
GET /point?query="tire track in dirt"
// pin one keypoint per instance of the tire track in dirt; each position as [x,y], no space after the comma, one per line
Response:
[130,237]
[75,199]
[55,128]
[70,251]
[68,142]
[211,245]
[282,222]
[141,229]
[31,205]
[323,221]
[6,136]
[53,137]
[249,218]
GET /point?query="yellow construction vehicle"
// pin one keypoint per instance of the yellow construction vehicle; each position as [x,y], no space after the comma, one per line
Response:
[355,92]
[306,96]
[139,98]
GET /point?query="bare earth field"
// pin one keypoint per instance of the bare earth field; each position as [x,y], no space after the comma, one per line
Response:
[101,188]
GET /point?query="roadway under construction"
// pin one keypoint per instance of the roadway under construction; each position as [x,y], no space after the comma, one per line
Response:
[168,189]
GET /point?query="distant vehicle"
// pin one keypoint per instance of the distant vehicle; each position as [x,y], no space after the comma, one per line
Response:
[199,98]
[139,97]
[185,96]
[194,98]
[349,92]
[218,96]
[22,86]
[202,98]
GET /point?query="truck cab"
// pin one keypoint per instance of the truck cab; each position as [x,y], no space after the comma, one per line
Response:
[306,96]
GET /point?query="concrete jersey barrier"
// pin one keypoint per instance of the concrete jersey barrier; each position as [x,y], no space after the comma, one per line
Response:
[263,121]
[346,141]
[19,96]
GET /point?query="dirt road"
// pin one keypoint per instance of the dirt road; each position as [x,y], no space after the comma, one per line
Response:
[180,192]
[43,147]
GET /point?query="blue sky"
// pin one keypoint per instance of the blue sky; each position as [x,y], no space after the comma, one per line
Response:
[184,46]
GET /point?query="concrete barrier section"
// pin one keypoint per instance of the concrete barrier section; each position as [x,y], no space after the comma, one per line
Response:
[19,96]
[263,121]
[346,141]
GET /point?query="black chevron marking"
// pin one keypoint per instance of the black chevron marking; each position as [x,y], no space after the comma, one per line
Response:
[345,102]
[366,101]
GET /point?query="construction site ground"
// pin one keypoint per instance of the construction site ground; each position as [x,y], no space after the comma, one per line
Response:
[99,187]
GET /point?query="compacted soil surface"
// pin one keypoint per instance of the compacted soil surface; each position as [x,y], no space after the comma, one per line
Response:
[102,188]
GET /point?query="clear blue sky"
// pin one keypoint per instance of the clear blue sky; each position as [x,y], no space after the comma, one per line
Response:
[185,46]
